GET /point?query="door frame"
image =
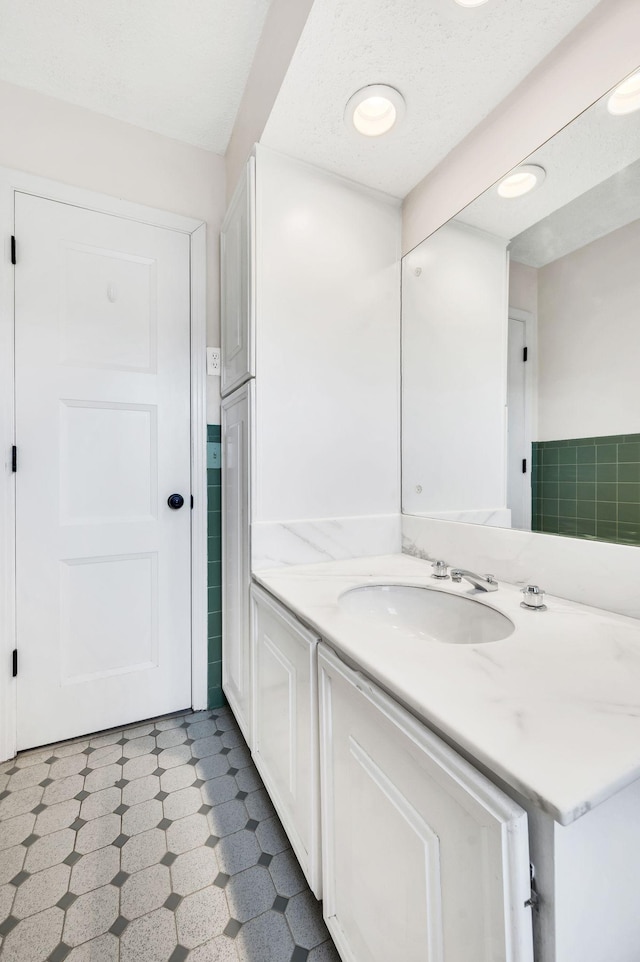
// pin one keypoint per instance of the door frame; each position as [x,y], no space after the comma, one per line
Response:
[12,182]
[530,393]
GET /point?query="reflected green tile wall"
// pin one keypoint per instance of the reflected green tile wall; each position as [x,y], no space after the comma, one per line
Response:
[588,488]
[214,554]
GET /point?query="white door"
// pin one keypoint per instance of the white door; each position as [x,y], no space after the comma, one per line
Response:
[423,859]
[102,319]
[518,448]
[237,294]
[236,568]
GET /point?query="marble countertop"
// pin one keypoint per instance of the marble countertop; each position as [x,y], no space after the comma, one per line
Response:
[553,710]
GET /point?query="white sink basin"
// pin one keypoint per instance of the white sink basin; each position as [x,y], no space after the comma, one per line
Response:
[427,613]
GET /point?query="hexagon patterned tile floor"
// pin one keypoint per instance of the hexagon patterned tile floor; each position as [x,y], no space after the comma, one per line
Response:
[154,843]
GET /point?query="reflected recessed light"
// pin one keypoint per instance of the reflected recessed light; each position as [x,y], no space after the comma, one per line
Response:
[374,110]
[521,180]
[626,97]
[470,3]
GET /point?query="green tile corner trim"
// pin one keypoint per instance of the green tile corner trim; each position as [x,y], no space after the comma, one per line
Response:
[215,695]
[588,488]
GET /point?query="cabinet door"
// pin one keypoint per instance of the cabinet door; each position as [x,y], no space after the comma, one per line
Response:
[424,859]
[285,725]
[236,573]
[237,286]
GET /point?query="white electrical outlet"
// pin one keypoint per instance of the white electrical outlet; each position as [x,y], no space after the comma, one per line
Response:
[214,361]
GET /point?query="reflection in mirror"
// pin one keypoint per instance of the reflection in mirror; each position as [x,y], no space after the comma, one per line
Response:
[521,345]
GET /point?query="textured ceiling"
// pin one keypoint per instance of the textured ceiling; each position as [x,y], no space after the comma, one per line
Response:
[452,64]
[177,67]
[592,187]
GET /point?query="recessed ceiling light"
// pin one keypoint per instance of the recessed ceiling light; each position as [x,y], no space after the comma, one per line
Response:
[470,3]
[626,97]
[374,110]
[521,180]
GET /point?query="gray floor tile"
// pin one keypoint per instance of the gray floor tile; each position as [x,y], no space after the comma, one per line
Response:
[201,916]
[267,938]
[287,875]
[304,915]
[50,850]
[28,777]
[142,817]
[145,891]
[35,938]
[97,833]
[139,847]
[326,952]
[271,836]
[186,801]
[63,789]
[41,891]
[20,802]
[55,817]
[11,862]
[100,803]
[91,915]
[15,830]
[152,938]
[194,870]
[237,852]
[177,778]
[187,833]
[228,818]
[250,893]
[171,738]
[143,850]
[221,949]
[105,948]
[94,870]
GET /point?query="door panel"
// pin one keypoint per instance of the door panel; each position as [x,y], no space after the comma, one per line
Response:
[454,848]
[103,434]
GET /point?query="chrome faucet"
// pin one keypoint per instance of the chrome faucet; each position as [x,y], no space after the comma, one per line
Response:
[481,582]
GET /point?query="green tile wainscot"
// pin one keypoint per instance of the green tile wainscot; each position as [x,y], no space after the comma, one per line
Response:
[216,697]
[588,488]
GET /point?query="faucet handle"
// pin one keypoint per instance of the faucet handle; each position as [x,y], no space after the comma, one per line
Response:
[533,598]
[440,570]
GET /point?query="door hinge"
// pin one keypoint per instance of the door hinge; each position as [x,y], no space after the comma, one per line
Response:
[14,670]
[525,354]
[191,502]
[14,459]
[524,465]
[534,899]
[13,249]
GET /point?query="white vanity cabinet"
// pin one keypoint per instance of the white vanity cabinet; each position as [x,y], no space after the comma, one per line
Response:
[237,267]
[424,860]
[285,725]
[236,576]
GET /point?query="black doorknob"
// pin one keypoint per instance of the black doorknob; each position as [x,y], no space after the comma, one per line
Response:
[175,501]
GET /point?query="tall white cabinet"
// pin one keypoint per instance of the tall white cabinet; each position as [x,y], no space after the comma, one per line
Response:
[310,322]
[236,574]
[237,282]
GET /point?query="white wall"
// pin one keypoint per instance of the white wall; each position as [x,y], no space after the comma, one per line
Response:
[63,142]
[589,340]
[328,338]
[599,53]
[454,339]
[523,287]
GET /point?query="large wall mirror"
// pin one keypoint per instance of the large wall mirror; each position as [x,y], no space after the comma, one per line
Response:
[521,342]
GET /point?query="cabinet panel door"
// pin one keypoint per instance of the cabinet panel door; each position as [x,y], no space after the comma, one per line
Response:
[285,725]
[236,574]
[237,286]
[424,859]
